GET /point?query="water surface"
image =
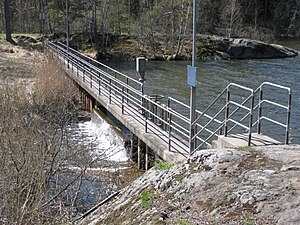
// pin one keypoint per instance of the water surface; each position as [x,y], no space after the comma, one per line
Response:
[169,79]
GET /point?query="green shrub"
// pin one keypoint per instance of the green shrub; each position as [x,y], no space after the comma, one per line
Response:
[146,197]
[160,165]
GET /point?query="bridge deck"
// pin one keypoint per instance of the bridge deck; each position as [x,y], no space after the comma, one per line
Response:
[241,140]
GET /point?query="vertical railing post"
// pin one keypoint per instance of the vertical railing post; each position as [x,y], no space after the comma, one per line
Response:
[161,120]
[123,97]
[77,68]
[259,110]
[91,80]
[99,83]
[288,119]
[127,83]
[170,131]
[109,91]
[146,114]
[251,118]
[227,112]
[169,124]
[142,96]
[83,75]
[165,119]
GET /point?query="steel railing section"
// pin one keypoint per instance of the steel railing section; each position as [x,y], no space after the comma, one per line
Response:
[99,64]
[125,92]
[229,113]
[287,107]
[210,127]
[262,101]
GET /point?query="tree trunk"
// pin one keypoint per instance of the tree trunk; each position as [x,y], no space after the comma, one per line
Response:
[7,21]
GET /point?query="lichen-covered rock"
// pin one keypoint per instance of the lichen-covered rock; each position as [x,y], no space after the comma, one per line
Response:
[218,186]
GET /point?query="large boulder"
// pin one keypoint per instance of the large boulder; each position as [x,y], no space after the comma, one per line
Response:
[240,48]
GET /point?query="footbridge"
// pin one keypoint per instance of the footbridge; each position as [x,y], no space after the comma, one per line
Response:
[239,115]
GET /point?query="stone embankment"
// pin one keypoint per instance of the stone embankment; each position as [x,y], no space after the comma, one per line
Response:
[219,186]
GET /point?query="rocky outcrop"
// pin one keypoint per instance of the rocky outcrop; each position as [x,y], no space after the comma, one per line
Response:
[208,47]
[240,48]
[219,186]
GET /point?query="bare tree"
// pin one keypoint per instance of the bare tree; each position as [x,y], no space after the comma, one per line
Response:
[7,13]
[232,17]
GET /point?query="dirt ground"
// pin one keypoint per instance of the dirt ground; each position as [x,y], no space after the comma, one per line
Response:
[17,64]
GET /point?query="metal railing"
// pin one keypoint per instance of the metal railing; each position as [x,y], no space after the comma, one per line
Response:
[264,101]
[125,92]
[231,112]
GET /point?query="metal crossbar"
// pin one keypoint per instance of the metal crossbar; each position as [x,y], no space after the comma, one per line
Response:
[229,113]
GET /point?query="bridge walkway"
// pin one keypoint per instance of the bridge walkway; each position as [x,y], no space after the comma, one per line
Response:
[117,100]
[236,115]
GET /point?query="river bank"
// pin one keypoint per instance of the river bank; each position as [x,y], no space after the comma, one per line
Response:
[127,48]
[219,186]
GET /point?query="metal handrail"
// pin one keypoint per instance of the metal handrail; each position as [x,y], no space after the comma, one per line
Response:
[98,63]
[288,108]
[170,123]
[97,78]
[228,116]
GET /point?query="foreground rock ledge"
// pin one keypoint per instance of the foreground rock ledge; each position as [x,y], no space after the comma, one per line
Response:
[220,186]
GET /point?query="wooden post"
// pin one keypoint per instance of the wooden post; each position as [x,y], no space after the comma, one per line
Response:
[139,153]
[83,100]
[86,102]
[146,158]
[131,148]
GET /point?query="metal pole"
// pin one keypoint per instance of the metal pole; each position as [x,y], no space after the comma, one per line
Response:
[67,18]
[43,23]
[193,89]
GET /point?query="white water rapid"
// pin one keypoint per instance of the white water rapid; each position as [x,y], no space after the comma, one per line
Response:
[102,140]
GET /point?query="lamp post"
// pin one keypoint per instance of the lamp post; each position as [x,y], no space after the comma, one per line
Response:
[42,17]
[67,27]
[192,74]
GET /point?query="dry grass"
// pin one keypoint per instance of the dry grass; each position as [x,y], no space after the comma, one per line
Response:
[32,150]
[54,97]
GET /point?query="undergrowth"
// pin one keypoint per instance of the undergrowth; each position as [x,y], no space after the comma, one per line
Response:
[34,150]
[146,198]
[160,165]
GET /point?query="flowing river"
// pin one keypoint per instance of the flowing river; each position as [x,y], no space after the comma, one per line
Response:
[169,79]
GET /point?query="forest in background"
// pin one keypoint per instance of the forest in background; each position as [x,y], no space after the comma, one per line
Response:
[147,21]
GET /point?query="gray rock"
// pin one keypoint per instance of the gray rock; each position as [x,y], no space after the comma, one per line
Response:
[240,48]
[247,198]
